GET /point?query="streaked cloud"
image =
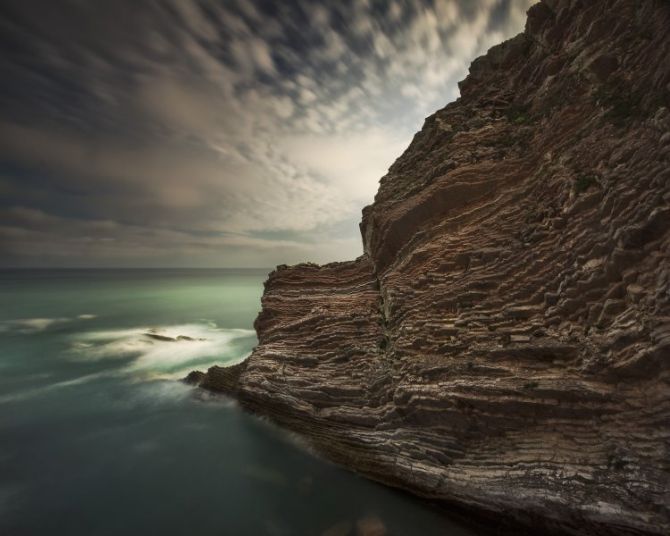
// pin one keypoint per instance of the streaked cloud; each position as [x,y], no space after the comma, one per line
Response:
[216,134]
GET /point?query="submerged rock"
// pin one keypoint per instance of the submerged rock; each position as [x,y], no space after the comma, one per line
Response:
[187,338]
[159,337]
[504,343]
[166,338]
[370,526]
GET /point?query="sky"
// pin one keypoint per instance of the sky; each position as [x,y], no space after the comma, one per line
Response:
[240,133]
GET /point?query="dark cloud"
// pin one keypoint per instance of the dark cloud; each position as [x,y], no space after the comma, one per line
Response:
[210,133]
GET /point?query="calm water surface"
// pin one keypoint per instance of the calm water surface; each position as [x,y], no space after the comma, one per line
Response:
[98,438]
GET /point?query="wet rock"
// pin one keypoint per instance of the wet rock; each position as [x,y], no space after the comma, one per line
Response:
[194,377]
[164,338]
[159,337]
[222,379]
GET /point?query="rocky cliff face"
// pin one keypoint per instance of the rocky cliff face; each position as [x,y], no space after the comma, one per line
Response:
[504,343]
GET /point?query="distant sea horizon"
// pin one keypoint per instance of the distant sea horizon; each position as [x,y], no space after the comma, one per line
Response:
[135,268]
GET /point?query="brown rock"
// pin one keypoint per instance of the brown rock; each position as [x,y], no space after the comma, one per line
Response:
[536,203]
[222,379]
[603,66]
[195,377]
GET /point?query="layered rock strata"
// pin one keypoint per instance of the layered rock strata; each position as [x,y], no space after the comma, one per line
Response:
[504,342]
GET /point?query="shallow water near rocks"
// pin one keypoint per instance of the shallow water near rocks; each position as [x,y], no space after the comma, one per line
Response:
[97,436]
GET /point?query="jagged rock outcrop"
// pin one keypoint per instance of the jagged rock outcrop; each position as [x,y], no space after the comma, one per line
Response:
[504,343]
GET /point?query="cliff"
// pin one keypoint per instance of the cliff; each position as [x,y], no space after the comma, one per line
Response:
[503,345]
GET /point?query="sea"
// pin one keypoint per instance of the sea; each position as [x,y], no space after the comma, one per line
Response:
[98,435]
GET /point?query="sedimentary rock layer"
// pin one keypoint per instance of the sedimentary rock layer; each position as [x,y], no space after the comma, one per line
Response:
[504,343]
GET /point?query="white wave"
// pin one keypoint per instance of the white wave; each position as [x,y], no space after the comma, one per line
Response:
[159,392]
[165,351]
[35,324]
[156,392]
[29,393]
[32,325]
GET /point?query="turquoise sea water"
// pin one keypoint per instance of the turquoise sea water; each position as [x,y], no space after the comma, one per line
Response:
[97,436]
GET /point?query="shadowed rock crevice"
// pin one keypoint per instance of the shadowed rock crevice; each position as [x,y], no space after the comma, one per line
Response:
[504,342]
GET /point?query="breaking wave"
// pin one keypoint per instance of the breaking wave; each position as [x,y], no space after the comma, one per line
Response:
[166,351]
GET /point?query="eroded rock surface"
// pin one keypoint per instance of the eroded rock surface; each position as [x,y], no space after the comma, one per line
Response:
[504,343]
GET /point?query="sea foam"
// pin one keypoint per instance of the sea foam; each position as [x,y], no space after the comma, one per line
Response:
[32,325]
[164,351]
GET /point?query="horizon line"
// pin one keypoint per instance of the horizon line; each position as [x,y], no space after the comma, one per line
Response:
[136,268]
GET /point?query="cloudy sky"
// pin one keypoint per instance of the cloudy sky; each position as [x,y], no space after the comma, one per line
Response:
[202,133]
